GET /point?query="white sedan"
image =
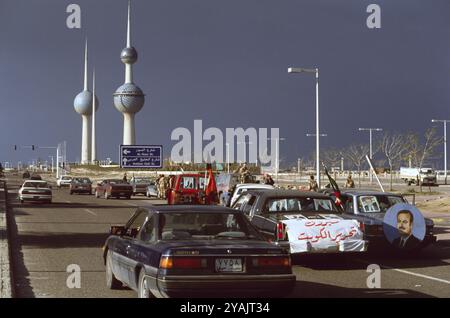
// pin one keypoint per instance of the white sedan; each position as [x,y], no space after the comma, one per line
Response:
[244,187]
[35,190]
[64,181]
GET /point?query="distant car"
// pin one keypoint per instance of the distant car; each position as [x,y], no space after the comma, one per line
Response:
[140,184]
[187,189]
[113,188]
[80,185]
[301,221]
[225,183]
[180,251]
[63,181]
[244,187]
[35,176]
[373,218]
[152,190]
[35,191]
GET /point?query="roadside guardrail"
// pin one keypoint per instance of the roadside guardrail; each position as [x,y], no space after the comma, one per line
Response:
[5,253]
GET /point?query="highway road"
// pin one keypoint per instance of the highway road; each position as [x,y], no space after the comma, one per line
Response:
[46,239]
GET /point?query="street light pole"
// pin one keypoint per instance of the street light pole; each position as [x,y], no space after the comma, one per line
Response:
[315,135]
[316,72]
[277,155]
[445,143]
[370,142]
[228,156]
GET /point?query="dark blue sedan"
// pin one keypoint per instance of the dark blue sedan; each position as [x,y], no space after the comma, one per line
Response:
[186,251]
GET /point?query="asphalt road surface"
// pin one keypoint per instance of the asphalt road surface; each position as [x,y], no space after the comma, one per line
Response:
[47,238]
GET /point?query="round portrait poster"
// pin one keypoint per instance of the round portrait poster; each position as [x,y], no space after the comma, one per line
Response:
[404,226]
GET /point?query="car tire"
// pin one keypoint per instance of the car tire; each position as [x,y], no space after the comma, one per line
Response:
[111,281]
[128,197]
[143,290]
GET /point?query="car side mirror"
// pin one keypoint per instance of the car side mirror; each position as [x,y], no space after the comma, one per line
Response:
[117,230]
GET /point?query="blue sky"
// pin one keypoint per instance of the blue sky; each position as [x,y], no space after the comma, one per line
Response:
[224,62]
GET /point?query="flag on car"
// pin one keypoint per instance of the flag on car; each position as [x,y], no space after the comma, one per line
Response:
[211,189]
[335,187]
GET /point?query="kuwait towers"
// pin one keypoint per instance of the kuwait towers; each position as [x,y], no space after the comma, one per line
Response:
[128,98]
[83,106]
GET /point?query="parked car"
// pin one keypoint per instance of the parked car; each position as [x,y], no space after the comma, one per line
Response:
[152,190]
[113,188]
[35,191]
[80,185]
[301,221]
[180,251]
[63,181]
[140,185]
[372,218]
[187,189]
[244,187]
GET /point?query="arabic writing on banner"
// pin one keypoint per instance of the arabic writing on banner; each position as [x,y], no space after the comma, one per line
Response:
[324,235]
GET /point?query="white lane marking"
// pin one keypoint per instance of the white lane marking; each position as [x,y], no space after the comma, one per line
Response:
[68,202]
[91,212]
[411,273]
[130,204]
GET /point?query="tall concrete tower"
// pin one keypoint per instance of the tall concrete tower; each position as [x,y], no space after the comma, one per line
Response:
[83,106]
[94,110]
[129,98]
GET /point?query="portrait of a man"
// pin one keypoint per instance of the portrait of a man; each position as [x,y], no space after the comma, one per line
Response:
[406,240]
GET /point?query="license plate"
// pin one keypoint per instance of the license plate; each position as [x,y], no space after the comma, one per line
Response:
[228,265]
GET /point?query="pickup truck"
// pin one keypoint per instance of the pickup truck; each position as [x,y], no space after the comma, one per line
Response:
[419,176]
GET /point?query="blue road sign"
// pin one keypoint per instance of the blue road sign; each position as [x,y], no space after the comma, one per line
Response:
[141,156]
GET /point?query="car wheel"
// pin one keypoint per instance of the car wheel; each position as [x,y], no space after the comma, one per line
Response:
[143,290]
[71,192]
[129,197]
[106,195]
[111,281]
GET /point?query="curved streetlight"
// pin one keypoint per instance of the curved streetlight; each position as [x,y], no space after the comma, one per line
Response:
[294,70]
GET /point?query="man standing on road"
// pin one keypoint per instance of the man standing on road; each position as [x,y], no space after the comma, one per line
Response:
[313,186]
[350,183]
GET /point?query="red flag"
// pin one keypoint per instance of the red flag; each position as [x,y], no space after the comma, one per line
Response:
[211,188]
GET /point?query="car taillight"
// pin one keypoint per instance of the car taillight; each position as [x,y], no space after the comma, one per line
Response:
[362,226]
[169,262]
[271,261]
[281,231]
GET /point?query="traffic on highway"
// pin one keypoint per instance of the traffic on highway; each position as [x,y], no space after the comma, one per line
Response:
[271,242]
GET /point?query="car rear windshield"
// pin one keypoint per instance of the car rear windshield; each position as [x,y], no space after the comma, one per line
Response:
[299,204]
[201,226]
[377,203]
[35,185]
[66,178]
[191,183]
[142,180]
[82,180]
